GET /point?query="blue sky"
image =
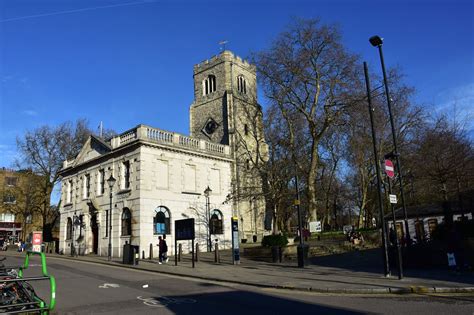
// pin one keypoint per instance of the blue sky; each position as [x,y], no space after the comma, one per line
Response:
[128,62]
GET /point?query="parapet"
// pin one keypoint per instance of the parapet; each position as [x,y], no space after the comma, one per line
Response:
[226,55]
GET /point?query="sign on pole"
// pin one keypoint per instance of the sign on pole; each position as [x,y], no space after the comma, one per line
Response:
[389,169]
[37,241]
[183,230]
[315,226]
[235,241]
[393,198]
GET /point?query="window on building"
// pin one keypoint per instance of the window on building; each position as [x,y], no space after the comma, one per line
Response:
[80,223]
[11,181]
[190,177]
[209,85]
[7,217]
[400,231]
[101,182]
[247,164]
[420,231]
[69,229]
[126,175]
[215,223]
[432,225]
[241,84]
[69,192]
[126,222]
[246,129]
[161,221]
[87,186]
[9,199]
[29,218]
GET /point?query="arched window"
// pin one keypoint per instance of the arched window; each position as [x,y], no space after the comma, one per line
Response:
[215,223]
[209,85]
[126,222]
[69,229]
[241,84]
[161,221]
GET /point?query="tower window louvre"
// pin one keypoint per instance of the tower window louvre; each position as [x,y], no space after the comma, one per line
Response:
[241,84]
[209,85]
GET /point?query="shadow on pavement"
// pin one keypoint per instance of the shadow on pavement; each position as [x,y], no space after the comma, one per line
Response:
[237,302]
[371,260]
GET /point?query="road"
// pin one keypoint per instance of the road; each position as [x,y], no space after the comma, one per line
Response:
[87,288]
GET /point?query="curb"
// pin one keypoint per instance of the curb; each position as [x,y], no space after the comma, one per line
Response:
[367,291]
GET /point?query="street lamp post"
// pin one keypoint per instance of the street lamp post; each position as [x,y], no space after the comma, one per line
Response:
[111,181]
[377,41]
[207,193]
[377,170]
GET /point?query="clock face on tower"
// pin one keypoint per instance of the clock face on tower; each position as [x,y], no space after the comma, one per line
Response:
[210,127]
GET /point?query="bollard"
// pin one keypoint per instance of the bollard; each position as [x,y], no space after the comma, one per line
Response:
[143,254]
[180,251]
[216,253]
[197,253]
[137,256]
[151,251]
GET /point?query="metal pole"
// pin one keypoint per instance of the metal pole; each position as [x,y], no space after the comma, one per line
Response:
[397,244]
[377,169]
[394,137]
[300,228]
[73,249]
[208,213]
[110,229]
[192,252]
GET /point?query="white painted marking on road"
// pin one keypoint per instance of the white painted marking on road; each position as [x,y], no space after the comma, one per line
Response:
[163,301]
[109,285]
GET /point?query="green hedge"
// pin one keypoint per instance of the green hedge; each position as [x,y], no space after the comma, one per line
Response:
[274,240]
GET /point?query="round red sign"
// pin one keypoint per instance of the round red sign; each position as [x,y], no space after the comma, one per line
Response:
[389,169]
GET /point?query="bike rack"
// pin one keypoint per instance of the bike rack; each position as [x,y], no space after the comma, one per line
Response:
[35,301]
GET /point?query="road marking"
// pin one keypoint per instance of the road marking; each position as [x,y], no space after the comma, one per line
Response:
[109,285]
[163,301]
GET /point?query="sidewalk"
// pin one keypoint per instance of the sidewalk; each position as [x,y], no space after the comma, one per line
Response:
[317,278]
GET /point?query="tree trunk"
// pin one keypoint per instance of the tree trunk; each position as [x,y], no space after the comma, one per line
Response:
[312,173]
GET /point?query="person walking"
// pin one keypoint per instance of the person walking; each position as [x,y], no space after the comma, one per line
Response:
[162,250]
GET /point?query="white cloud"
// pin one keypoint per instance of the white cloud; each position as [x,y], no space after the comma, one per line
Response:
[30,112]
[458,101]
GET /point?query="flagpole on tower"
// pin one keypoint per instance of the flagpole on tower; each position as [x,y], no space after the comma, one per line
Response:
[101,129]
[222,44]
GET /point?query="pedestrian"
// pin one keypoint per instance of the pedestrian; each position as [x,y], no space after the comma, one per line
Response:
[392,235]
[165,250]
[162,250]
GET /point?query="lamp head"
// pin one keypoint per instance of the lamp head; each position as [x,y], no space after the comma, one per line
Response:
[111,181]
[207,192]
[376,41]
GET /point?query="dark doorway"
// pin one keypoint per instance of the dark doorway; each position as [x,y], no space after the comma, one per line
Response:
[95,234]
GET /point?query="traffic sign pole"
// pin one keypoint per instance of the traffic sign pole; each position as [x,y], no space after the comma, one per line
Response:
[397,243]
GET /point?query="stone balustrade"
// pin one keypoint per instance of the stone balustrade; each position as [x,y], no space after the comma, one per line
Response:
[147,133]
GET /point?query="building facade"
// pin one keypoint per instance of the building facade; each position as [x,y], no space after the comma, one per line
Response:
[18,218]
[162,176]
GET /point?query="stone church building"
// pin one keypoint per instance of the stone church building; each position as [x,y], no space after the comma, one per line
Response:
[162,176]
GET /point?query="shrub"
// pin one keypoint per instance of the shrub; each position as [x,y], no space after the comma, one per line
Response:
[274,240]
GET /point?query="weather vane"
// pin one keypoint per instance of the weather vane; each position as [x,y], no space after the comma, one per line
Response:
[222,43]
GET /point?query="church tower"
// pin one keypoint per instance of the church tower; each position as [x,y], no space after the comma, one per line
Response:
[225,110]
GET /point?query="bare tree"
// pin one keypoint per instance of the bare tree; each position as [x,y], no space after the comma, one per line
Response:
[43,150]
[308,73]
